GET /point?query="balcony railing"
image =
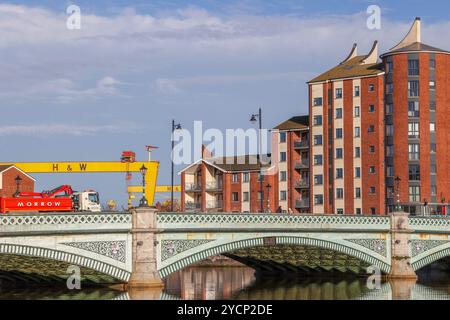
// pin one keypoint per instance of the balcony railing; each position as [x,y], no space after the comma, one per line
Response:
[214,204]
[301,144]
[304,164]
[303,183]
[214,185]
[303,203]
[192,187]
[193,206]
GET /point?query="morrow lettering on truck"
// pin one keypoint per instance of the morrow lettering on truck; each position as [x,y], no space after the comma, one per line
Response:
[32,204]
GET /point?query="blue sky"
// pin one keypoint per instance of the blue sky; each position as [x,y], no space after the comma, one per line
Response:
[116,84]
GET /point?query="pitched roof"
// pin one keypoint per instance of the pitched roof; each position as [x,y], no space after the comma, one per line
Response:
[4,168]
[236,163]
[297,122]
[353,67]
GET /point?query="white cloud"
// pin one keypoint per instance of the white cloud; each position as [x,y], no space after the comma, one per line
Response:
[51,129]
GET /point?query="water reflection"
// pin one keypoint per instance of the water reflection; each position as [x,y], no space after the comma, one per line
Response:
[207,283]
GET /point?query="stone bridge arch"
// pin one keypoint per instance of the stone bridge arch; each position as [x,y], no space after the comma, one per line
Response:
[90,261]
[178,254]
[426,252]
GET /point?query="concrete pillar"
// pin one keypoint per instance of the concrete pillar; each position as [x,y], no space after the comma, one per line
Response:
[400,255]
[144,273]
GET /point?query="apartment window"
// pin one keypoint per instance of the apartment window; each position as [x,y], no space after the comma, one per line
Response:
[433,147]
[260,177]
[358,211]
[413,88]
[339,173]
[338,113]
[372,211]
[317,102]
[371,128]
[282,137]
[432,105]
[245,196]
[357,91]
[371,87]
[357,152]
[318,199]
[318,160]
[339,211]
[235,196]
[432,64]
[390,171]
[357,131]
[432,85]
[318,140]
[283,156]
[413,130]
[357,112]
[318,179]
[413,150]
[282,195]
[372,190]
[371,108]
[372,169]
[317,120]
[235,178]
[338,133]
[339,153]
[245,177]
[389,130]
[389,88]
[371,149]
[389,151]
[260,195]
[433,169]
[339,193]
[414,172]
[358,193]
[389,108]
[433,190]
[413,67]
[432,126]
[414,193]
[413,109]
[283,176]
[357,172]
[338,93]
[389,67]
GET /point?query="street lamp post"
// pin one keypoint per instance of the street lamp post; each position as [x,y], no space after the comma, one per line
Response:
[18,180]
[253,120]
[397,183]
[174,127]
[144,201]
[268,186]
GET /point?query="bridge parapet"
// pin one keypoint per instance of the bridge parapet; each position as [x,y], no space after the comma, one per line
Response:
[41,223]
[430,224]
[253,221]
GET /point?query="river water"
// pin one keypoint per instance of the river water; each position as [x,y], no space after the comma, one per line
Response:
[209,283]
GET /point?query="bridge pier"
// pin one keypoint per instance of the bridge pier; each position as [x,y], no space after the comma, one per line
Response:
[400,255]
[144,272]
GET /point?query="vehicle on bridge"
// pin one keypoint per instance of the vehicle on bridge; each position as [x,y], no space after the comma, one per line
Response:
[61,199]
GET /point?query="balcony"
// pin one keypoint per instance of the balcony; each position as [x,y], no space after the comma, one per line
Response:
[301,204]
[301,184]
[301,144]
[193,206]
[304,164]
[192,187]
[214,204]
[214,186]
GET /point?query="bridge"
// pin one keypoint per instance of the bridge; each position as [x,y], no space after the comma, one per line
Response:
[142,247]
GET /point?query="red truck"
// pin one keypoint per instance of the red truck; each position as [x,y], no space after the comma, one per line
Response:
[61,199]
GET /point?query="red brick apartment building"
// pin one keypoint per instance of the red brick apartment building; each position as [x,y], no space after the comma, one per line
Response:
[8,183]
[228,184]
[376,137]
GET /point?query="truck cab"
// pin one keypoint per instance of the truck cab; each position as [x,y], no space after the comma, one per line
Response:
[87,200]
